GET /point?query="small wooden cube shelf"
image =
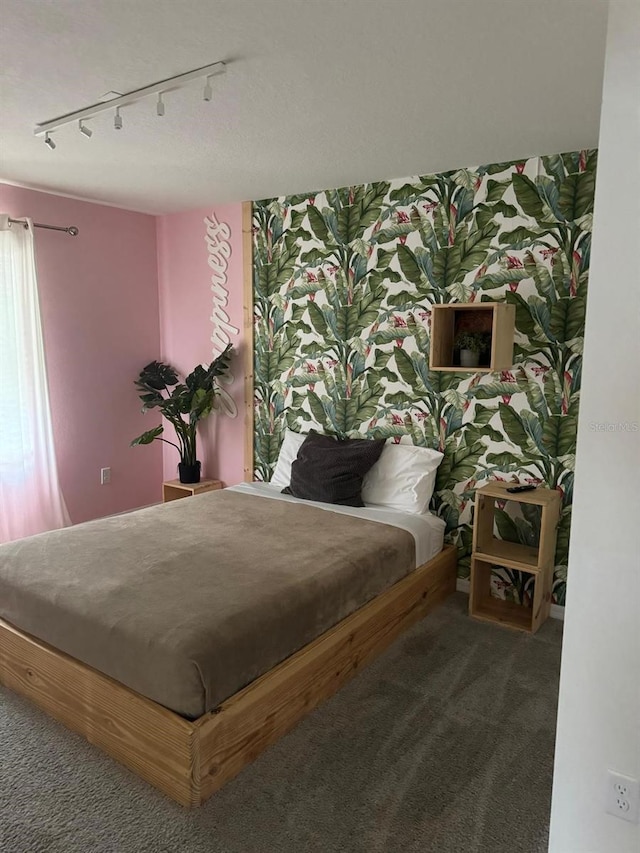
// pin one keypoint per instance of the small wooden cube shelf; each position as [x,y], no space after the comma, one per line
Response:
[173,490]
[489,551]
[451,319]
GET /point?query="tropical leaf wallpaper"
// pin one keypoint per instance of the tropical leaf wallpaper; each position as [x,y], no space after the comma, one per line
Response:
[343,285]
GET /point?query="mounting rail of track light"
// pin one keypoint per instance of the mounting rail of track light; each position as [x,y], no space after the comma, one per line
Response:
[206,72]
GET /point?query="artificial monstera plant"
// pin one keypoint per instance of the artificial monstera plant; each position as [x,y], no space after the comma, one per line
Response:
[184,405]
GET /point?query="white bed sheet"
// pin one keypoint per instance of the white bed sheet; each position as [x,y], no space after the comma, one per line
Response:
[427,530]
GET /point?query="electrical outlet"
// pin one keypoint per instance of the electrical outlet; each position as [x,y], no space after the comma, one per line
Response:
[105,476]
[623,796]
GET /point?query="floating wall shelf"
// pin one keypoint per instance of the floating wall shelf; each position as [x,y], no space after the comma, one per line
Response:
[450,319]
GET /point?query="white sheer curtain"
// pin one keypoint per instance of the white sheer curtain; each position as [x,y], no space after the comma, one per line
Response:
[30,497]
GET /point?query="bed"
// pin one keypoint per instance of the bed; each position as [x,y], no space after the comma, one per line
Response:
[183,656]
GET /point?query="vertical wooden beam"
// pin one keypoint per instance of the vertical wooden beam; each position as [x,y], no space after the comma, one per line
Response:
[504,326]
[483,523]
[247,261]
[549,520]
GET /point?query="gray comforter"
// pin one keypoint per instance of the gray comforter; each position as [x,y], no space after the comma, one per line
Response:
[189,601]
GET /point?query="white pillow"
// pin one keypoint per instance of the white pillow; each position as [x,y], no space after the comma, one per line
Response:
[403,478]
[288,452]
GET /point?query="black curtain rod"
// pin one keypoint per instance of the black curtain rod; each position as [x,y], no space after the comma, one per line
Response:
[71,229]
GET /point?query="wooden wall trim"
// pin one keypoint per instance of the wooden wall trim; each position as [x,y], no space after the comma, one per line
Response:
[247,262]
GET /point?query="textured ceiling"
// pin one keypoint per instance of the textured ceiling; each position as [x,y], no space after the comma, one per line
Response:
[318,93]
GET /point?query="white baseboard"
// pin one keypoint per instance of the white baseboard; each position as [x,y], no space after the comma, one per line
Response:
[556,612]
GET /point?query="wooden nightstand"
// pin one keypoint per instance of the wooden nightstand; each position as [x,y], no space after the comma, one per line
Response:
[173,490]
[537,561]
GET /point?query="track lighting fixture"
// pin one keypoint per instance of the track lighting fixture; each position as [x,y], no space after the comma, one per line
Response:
[84,129]
[116,100]
[49,141]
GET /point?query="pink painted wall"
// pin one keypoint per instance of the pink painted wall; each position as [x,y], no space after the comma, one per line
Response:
[186,304]
[99,302]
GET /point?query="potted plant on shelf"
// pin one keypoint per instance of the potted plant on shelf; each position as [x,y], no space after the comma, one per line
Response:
[184,405]
[472,345]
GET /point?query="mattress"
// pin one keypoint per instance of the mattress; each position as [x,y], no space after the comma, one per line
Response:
[190,601]
[427,529]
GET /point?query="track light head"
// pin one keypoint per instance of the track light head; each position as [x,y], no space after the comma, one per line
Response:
[86,131]
[117,119]
[160,105]
[208,91]
[49,141]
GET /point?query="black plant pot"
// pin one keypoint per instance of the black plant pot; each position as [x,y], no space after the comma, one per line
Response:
[189,473]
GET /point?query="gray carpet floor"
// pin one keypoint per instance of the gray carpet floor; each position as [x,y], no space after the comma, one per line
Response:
[443,745]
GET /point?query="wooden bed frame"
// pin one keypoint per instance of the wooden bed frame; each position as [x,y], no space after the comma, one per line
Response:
[187,760]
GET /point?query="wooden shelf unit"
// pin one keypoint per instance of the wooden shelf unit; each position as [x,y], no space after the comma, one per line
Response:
[450,319]
[173,490]
[488,551]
